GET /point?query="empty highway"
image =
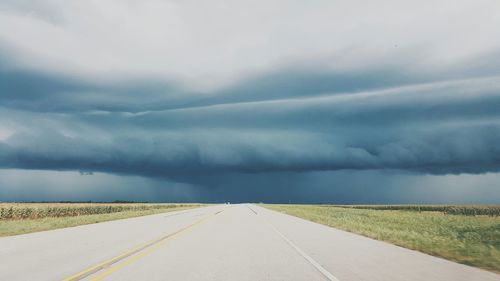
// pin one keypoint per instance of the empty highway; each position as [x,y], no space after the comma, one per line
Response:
[223,242]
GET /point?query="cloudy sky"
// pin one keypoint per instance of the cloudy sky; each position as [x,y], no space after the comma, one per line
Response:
[341,101]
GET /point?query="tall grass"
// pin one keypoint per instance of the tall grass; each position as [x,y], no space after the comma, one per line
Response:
[465,210]
[21,211]
[21,218]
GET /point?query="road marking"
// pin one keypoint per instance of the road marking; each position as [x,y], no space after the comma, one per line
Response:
[252,210]
[318,266]
[141,249]
[314,263]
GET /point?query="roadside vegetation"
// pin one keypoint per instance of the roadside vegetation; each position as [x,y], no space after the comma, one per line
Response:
[20,218]
[469,235]
[466,210]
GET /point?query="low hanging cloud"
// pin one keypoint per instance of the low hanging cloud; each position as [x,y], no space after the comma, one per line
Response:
[159,89]
[449,127]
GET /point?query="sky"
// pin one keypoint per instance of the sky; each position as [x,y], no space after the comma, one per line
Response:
[250,101]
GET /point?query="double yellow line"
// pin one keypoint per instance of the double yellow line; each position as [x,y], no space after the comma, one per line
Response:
[137,253]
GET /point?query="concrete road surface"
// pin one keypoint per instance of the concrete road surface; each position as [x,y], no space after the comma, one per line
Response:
[225,242]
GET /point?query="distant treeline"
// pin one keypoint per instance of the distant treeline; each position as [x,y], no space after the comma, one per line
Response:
[467,210]
[16,211]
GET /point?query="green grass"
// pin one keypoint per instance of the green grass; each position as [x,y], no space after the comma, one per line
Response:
[471,240]
[21,226]
[466,210]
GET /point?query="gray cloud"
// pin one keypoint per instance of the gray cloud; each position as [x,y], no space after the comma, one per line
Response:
[447,127]
[168,90]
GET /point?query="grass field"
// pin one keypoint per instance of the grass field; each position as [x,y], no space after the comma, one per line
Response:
[467,239]
[465,210]
[20,218]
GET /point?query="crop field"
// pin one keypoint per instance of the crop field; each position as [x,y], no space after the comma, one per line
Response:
[465,234]
[465,210]
[19,218]
[18,211]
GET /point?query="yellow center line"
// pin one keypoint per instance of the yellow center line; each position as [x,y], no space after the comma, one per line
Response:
[143,250]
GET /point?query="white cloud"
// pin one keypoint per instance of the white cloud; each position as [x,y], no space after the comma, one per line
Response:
[211,44]
[4,133]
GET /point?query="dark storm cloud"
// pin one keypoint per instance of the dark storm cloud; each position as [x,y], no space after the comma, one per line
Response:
[471,150]
[159,89]
[440,128]
[54,93]
[33,91]
[45,92]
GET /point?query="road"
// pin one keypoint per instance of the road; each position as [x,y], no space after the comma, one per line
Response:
[223,242]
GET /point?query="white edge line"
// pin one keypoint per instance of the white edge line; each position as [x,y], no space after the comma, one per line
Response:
[321,269]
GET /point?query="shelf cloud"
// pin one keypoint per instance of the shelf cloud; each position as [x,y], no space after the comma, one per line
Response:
[183,91]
